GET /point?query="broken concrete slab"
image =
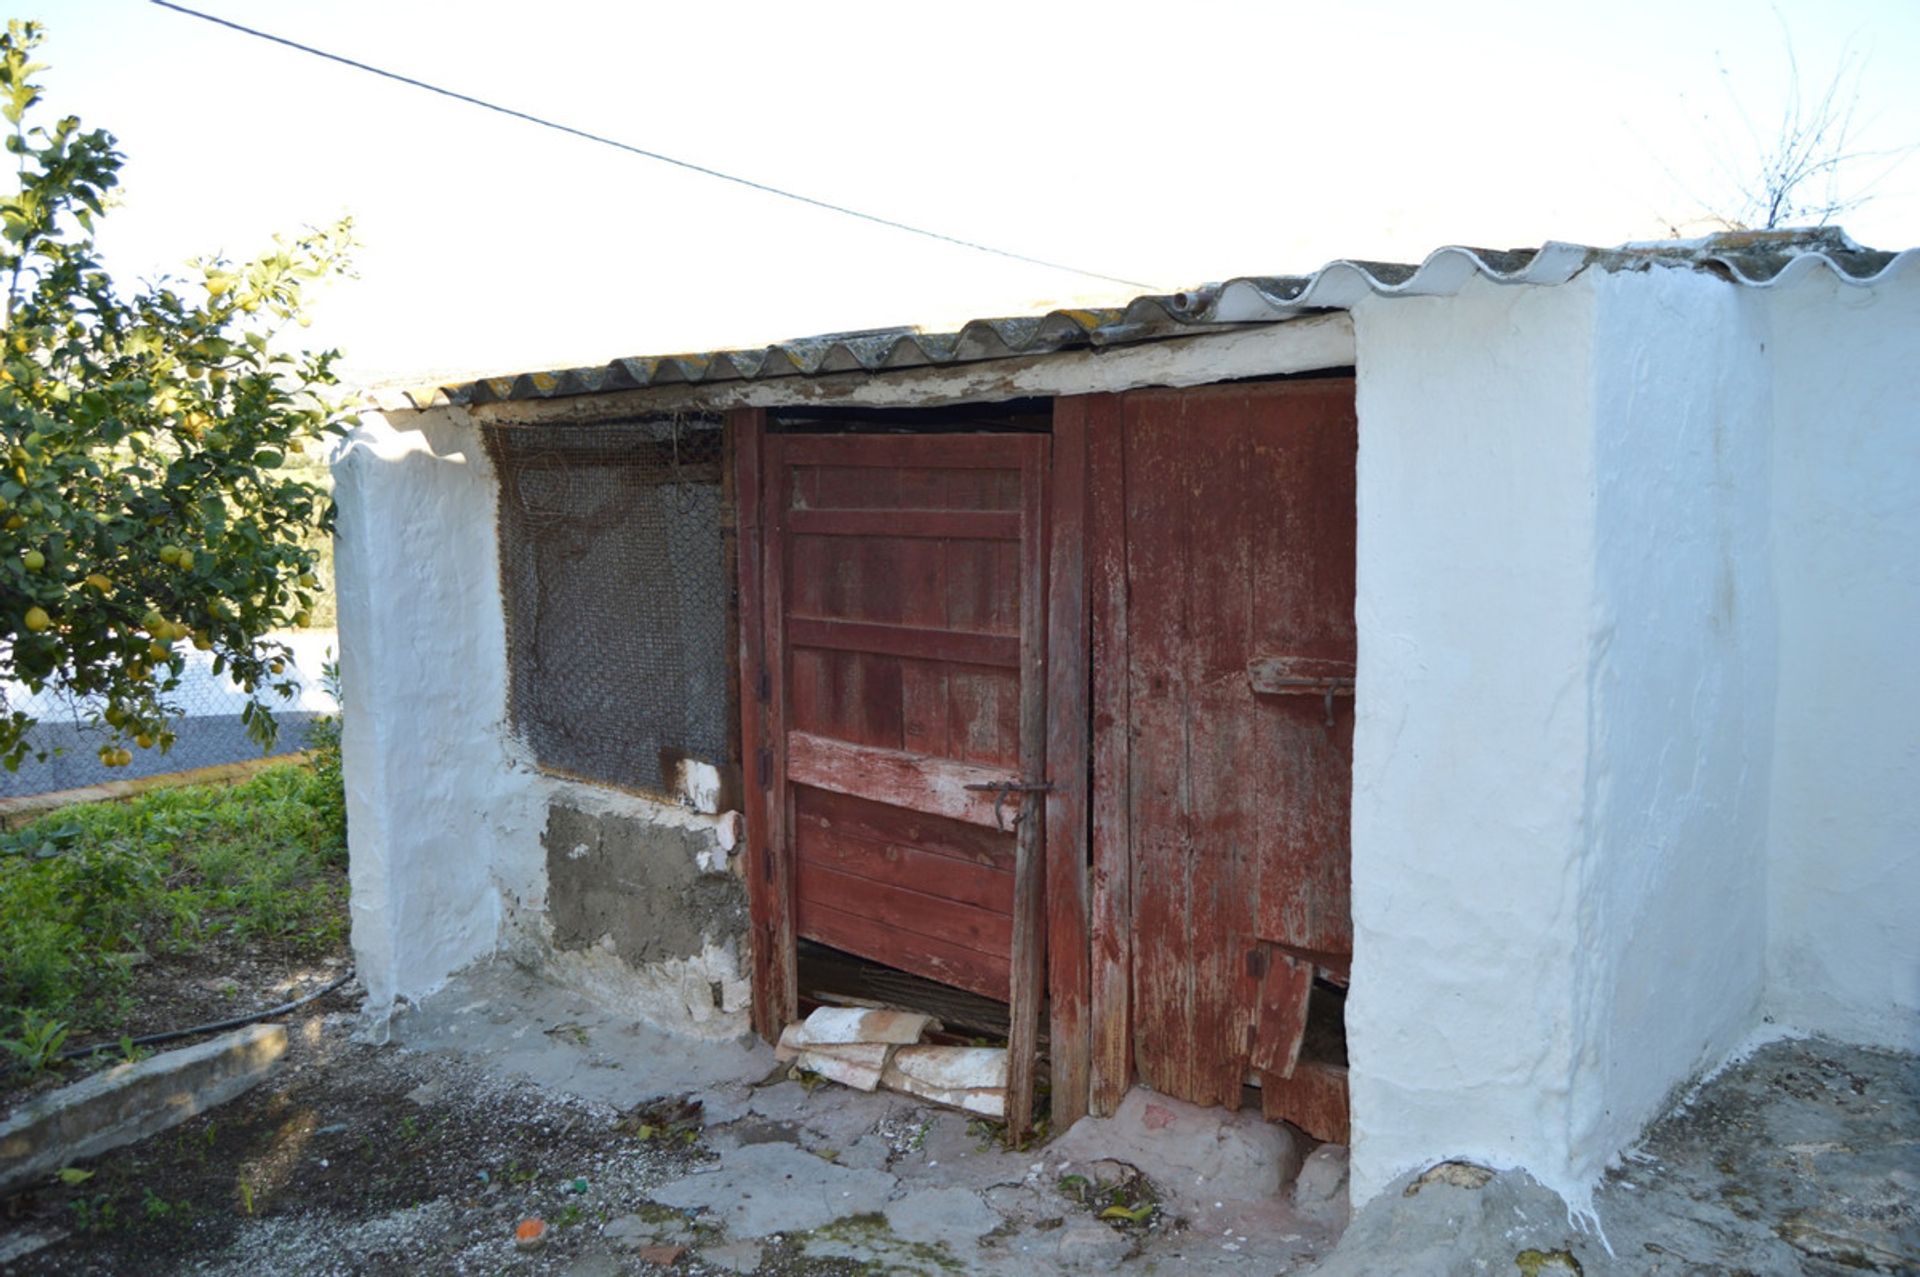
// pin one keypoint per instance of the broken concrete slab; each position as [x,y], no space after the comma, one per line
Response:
[734,1257]
[129,1102]
[763,1189]
[1203,1160]
[500,1014]
[962,1077]
[954,1217]
[829,1026]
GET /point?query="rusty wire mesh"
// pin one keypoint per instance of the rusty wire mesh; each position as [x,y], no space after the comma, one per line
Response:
[614,582]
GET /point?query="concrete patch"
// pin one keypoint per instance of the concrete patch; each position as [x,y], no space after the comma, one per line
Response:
[129,1102]
[776,1188]
[955,1217]
[635,887]
[1203,1160]
[517,1023]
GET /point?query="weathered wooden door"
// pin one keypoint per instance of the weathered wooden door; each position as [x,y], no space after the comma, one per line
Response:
[900,709]
[1238,640]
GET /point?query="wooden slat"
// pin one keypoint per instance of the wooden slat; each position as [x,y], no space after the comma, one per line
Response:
[1221,823]
[1067,762]
[959,451]
[1285,989]
[1027,973]
[1111,922]
[967,926]
[982,973]
[933,785]
[769,896]
[960,647]
[1158,562]
[959,525]
[1314,1099]
[965,882]
[844,815]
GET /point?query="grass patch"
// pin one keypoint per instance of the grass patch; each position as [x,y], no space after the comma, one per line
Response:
[90,892]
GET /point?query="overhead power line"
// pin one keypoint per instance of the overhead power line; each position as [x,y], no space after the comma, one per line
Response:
[641,151]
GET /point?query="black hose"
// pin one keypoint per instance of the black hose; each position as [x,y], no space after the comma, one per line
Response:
[239,1021]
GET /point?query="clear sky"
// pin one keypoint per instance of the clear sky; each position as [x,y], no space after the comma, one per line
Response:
[1166,143]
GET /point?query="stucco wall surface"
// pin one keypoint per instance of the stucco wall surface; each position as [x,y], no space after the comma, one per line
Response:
[1843,952]
[431,797]
[1470,745]
[1680,688]
[450,822]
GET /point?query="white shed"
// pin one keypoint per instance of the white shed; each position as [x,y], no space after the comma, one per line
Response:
[670,676]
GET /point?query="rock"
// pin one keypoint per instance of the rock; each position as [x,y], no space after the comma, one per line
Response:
[1320,1190]
[662,1256]
[629,1231]
[1453,1174]
[734,1257]
[1087,1243]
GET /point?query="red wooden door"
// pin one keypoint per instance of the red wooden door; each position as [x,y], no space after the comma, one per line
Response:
[904,632]
[1239,558]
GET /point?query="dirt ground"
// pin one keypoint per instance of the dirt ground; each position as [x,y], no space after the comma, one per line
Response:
[503,1100]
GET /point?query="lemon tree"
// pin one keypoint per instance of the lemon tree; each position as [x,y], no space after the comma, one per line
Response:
[144,510]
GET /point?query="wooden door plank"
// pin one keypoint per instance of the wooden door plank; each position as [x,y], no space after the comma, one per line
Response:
[1286,987]
[1069,1027]
[769,897]
[1159,719]
[1315,1099]
[1307,440]
[961,525]
[844,815]
[964,926]
[964,882]
[1110,924]
[981,973]
[1027,972]
[934,785]
[957,451]
[1223,868]
[958,647]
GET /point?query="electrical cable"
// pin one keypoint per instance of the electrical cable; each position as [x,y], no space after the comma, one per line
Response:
[239,1021]
[689,165]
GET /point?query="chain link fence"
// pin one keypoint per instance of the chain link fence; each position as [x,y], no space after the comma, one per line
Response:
[66,739]
[614,581]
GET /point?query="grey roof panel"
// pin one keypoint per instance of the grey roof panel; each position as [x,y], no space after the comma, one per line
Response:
[1758,259]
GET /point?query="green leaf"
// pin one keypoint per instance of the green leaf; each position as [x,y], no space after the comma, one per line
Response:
[73,1175]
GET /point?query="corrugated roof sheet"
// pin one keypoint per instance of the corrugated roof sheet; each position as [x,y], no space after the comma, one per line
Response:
[1759,259]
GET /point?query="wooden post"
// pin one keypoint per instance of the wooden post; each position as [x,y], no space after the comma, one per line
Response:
[1029,868]
[1069,1026]
[762,727]
[1110,919]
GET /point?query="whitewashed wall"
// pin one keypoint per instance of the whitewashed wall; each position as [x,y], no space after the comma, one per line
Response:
[1844,925]
[432,802]
[1474,610]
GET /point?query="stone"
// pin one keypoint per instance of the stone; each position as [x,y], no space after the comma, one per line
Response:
[1453,1174]
[776,1188]
[954,1216]
[1087,1243]
[663,1256]
[734,1257]
[1320,1189]
[629,1231]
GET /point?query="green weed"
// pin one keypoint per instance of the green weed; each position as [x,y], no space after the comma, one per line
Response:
[87,894]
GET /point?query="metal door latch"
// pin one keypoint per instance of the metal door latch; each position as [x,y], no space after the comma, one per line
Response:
[1001,789]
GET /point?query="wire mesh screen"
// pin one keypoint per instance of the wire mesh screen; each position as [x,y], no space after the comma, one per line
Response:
[615,587]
